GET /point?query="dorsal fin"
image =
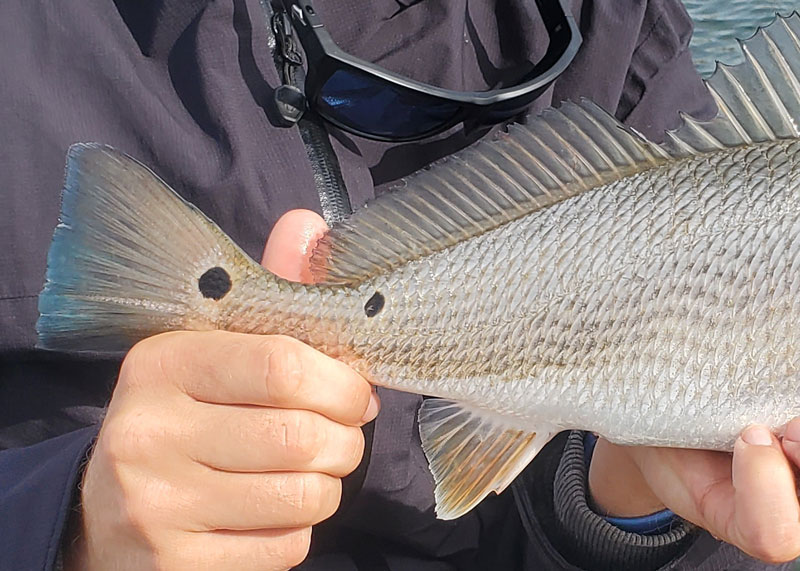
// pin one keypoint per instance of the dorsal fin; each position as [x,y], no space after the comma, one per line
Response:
[555,156]
[758,100]
[558,155]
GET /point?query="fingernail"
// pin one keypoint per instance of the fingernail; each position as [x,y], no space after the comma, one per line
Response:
[372,408]
[792,431]
[757,436]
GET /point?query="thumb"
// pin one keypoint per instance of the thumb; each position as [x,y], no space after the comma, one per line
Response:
[291,243]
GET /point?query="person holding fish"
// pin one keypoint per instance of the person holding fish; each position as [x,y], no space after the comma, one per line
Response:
[167,403]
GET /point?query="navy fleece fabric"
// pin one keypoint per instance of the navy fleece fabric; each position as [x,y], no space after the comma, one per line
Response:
[186,87]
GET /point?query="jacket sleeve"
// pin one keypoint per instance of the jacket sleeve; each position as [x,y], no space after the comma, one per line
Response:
[598,543]
[37,487]
[585,540]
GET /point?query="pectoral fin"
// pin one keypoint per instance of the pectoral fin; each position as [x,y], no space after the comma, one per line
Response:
[472,452]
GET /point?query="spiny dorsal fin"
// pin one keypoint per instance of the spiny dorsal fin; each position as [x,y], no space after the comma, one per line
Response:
[555,156]
[758,100]
[472,453]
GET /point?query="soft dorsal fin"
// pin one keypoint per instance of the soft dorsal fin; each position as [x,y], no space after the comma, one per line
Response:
[558,155]
[758,100]
[555,156]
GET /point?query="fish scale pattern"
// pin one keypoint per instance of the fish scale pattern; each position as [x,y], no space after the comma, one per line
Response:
[655,310]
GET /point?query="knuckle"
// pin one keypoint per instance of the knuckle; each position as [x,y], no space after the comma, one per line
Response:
[137,518]
[284,371]
[301,436]
[152,360]
[135,360]
[130,436]
[314,496]
[361,393]
[703,496]
[138,510]
[308,493]
[325,497]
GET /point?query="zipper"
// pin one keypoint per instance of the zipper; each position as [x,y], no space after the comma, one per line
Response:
[290,99]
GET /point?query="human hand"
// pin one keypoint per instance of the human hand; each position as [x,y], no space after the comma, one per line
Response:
[748,499]
[221,450]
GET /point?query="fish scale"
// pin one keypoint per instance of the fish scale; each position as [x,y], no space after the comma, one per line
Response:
[568,274]
[694,214]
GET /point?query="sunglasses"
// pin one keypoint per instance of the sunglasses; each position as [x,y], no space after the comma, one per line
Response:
[369,101]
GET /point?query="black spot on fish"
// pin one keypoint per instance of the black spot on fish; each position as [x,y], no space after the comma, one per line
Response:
[215,283]
[374,304]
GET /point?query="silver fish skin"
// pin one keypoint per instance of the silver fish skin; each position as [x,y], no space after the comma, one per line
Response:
[654,311]
[569,275]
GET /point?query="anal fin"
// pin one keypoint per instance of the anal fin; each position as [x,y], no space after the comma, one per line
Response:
[471,452]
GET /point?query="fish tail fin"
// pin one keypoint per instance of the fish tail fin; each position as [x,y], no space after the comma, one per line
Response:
[129,258]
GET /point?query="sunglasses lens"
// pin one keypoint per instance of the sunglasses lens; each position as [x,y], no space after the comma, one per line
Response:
[375,107]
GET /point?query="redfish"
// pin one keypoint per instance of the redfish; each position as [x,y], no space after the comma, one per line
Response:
[568,274]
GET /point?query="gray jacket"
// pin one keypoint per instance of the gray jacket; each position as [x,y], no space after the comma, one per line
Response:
[186,87]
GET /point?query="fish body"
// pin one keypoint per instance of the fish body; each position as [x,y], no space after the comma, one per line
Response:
[653,310]
[569,275]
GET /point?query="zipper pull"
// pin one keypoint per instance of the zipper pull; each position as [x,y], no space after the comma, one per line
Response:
[290,100]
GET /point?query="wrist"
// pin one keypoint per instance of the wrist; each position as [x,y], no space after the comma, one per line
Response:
[591,541]
[617,487]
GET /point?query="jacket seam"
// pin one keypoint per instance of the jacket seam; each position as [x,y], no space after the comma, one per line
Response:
[15,297]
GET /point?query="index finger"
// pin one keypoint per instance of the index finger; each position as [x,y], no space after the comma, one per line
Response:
[272,371]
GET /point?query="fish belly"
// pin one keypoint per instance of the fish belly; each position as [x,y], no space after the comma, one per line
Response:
[659,309]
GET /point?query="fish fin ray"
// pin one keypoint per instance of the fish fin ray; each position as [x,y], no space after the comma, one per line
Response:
[472,453]
[555,156]
[757,100]
[559,154]
[125,256]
